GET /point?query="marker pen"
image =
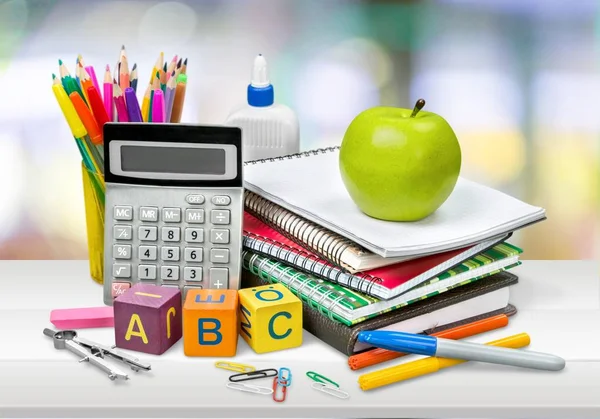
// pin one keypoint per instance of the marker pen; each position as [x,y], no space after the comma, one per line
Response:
[447,348]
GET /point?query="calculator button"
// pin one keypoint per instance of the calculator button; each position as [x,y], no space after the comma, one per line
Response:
[221,200]
[194,216]
[219,255]
[219,216]
[193,254]
[147,272]
[122,251]
[172,215]
[148,234]
[169,273]
[123,213]
[195,199]
[194,235]
[122,270]
[169,253]
[119,288]
[219,235]
[219,278]
[149,214]
[189,288]
[122,232]
[170,234]
[148,252]
[170,286]
[192,273]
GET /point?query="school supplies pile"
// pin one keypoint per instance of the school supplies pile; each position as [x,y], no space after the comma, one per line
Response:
[87,107]
[356,273]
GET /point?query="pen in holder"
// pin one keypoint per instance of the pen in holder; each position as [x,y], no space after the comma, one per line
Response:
[93,195]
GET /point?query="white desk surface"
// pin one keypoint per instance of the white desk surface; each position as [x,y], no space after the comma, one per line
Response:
[558,302]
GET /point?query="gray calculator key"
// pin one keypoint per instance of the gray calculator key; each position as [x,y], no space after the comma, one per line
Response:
[147,272]
[148,253]
[170,234]
[149,214]
[148,233]
[192,273]
[195,199]
[194,216]
[122,232]
[171,215]
[122,270]
[193,254]
[122,251]
[219,216]
[219,235]
[221,200]
[219,255]
[169,253]
[169,273]
[123,213]
[219,278]
[189,288]
[194,235]
[170,286]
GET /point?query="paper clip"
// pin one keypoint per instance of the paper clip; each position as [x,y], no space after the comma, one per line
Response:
[332,391]
[232,366]
[320,378]
[285,381]
[249,388]
[253,375]
[284,385]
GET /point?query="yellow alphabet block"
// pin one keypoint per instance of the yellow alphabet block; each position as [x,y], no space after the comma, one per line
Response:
[270,318]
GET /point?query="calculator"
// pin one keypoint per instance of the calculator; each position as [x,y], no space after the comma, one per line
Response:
[173,207]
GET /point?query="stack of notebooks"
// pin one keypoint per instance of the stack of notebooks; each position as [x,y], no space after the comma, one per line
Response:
[355,273]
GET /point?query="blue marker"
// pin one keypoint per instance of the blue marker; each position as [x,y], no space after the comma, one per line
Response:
[447,348]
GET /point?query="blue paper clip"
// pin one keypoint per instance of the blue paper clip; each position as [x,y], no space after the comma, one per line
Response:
[283,380]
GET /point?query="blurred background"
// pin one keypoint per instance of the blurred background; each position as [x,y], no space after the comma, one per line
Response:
[517,79]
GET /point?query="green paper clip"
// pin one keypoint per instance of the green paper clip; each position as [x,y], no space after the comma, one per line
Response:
[320,378]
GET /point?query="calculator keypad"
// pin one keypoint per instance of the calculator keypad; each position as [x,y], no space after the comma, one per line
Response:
[193,245]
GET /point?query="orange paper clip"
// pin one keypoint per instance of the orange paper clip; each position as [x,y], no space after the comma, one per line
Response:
[378,355]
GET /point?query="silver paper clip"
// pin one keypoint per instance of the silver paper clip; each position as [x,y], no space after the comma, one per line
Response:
[94,353]
[249,388]
[332,391]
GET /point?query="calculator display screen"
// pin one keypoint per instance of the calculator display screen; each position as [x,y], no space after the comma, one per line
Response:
[200,161]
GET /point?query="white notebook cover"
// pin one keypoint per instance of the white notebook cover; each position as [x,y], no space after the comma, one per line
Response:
[310,185]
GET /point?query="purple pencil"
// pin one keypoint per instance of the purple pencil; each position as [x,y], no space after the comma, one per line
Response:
[133,106]
[170,95]
[158,106]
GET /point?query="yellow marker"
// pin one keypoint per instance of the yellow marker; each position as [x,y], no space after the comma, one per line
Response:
[135,319]
[429,365]
[173,312]
[145,294]
[69,112]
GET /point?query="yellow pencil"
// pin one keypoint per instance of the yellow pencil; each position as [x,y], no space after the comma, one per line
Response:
[428,365]
[146,103]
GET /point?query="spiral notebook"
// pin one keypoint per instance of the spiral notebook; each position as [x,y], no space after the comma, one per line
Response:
[385,282]
[351,307]
[309,185]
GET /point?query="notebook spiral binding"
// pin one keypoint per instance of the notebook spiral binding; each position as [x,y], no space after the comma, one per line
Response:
[327,244]
[314,152]
[308,262]
[265,269]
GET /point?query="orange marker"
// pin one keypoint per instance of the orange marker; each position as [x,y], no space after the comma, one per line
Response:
[378,355]
[86,118]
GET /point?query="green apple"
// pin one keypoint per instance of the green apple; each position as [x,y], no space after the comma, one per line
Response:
[398,164]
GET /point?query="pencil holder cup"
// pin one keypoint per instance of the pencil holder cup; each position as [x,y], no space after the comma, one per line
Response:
[93,195]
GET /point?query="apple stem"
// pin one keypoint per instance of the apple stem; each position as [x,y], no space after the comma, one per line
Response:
[418,106]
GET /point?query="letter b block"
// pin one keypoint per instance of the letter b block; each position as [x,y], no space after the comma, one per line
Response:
[270,318]
[210,323]
[148,318]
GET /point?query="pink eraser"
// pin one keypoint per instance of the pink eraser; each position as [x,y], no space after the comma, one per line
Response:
[82,318]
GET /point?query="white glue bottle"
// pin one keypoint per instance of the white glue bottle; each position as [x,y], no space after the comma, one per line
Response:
[269,129]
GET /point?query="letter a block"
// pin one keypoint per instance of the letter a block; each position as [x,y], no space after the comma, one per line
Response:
[148,318]
[270,318]
[210,323]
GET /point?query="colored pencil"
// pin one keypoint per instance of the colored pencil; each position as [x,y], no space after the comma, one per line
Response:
[184,67]
[92,74]
[85,82]
[108,94]
[170,95]
[163,78]
[179,99]
[146,103]
[133,78]
[171,67]
[120,103]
